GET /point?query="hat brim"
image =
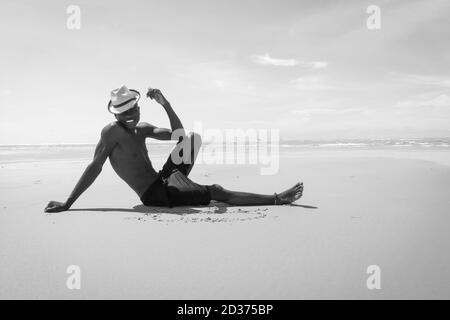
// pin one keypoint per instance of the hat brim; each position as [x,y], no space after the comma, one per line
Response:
[124,106]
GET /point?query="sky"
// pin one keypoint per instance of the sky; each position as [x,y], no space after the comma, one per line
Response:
[311,69]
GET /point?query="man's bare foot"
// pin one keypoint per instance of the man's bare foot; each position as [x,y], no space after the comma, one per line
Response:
[290,195]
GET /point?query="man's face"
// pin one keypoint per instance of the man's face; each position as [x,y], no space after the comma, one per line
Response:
[129,118]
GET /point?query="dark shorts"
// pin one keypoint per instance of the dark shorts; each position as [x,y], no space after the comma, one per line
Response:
[174,188]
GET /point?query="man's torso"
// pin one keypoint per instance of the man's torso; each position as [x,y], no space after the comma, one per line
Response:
[129,158]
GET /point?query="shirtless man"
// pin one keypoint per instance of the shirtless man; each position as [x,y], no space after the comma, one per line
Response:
[123,142]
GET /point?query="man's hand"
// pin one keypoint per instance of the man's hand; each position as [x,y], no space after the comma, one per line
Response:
[158,96]
[55,206]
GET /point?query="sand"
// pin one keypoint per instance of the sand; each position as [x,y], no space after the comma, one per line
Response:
[360,208]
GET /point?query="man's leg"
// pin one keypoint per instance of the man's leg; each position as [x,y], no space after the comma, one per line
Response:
[218,193]
[195,142]
[191,144]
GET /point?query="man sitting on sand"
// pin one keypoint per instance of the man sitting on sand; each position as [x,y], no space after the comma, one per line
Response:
[123,141]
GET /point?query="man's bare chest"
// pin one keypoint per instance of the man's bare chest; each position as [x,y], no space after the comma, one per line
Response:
[130,145]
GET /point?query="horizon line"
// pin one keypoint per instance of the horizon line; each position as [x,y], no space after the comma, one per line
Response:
[281,141]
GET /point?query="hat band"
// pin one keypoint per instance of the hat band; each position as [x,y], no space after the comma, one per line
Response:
[124,108]
[123,103]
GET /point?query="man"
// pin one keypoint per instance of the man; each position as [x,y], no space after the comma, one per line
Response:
[123,141]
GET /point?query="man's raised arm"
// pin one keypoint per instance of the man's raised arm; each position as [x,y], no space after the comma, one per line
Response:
[175,122]
[102,151]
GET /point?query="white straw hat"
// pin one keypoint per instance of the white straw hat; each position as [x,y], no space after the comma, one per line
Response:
[123,99]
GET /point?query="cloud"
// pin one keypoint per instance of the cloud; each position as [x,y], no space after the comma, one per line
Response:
[319,64]
[266,59]
[440,102]
[423,80]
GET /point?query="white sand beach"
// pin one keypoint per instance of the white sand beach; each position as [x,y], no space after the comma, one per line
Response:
[384,207]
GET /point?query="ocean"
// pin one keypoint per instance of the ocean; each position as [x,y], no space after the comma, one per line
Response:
[161,149]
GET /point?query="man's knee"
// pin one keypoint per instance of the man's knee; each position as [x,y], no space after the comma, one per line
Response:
[217,187]
[218,192]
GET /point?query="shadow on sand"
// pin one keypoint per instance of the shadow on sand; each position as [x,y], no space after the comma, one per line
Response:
[214,207]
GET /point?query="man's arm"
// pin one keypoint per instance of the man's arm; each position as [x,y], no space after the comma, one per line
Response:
[151,131]
[102,151]
[175,122]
